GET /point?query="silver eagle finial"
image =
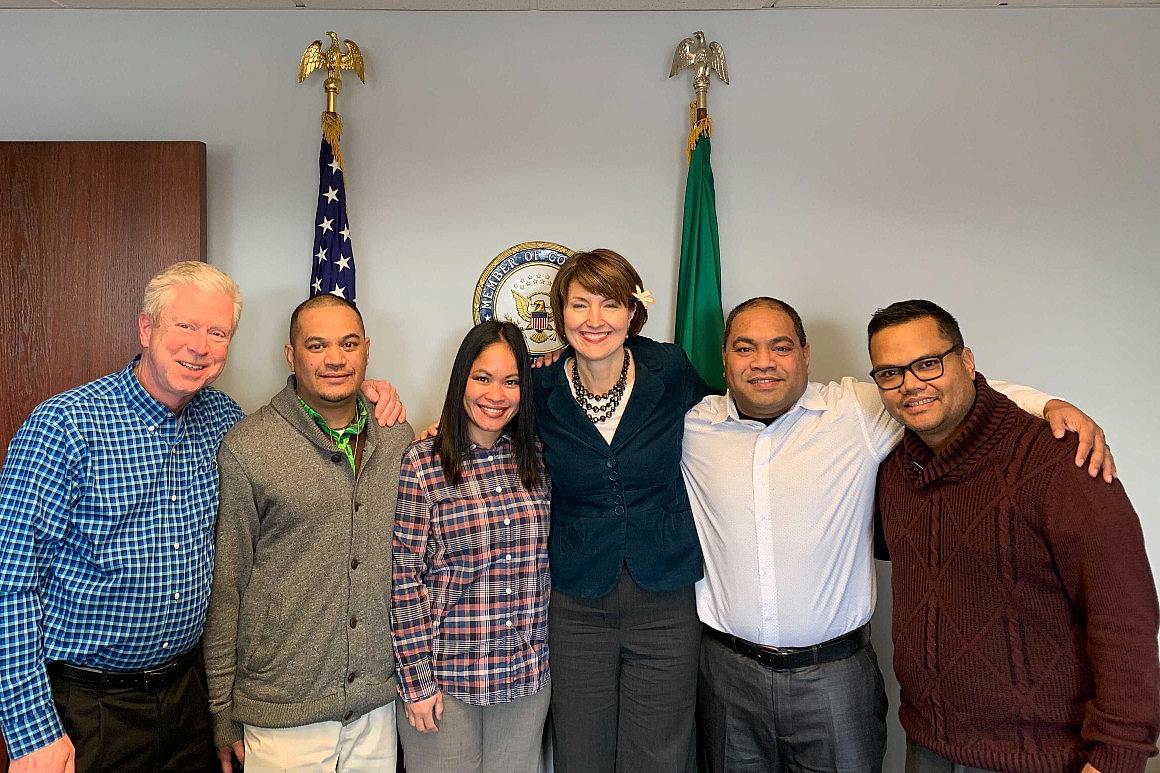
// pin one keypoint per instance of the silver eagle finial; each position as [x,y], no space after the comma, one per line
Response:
[704,59]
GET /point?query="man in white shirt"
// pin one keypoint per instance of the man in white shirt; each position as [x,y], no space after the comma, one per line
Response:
[780,473]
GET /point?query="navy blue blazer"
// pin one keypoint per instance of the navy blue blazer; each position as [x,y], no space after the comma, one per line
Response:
[624,502]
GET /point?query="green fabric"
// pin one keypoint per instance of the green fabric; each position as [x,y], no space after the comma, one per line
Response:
[700,321]
[343,438]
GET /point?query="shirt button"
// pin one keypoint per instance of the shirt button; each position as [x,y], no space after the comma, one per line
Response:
[498,489]
[177,595]
[509,623]
[353,622]
[509,590]
[508,557]
[177,546]
[507,521]
[173,498]
[164,645]
[152,428]
[491,458]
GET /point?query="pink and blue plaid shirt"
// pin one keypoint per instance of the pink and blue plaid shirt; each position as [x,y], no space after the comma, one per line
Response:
[470,584]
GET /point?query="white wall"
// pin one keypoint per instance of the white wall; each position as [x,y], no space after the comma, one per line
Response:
[1005,163]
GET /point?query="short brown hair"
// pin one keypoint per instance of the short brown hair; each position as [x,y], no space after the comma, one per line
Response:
[603,272]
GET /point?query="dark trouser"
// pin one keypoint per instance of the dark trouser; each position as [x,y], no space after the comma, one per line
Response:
[624,680]
[139,730]
[829,717]
[920,759]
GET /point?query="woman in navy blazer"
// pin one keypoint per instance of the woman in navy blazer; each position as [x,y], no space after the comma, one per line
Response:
[623,630]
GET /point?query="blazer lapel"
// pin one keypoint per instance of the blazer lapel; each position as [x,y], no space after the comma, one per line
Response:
[571,416]
[646,393]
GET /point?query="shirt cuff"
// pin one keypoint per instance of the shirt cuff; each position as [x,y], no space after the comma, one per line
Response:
[33,729]
[416,681]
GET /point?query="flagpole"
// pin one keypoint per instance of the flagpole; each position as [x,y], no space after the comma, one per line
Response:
[700,320]
[332,266]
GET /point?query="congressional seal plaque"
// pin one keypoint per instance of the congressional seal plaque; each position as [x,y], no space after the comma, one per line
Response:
[514,288]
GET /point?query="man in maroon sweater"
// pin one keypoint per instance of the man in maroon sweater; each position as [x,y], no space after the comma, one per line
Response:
[1025,614]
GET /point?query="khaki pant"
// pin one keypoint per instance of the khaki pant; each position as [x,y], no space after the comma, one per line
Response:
[367,745]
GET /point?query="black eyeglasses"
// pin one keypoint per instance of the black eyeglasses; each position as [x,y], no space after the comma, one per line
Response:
[924,369]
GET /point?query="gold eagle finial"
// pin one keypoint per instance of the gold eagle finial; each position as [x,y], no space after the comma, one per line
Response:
[334,60]
[704,59]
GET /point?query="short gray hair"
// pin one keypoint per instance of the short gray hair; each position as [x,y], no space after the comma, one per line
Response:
[203,276]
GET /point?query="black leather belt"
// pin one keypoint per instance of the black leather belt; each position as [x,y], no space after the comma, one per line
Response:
[145,679]
[785,658]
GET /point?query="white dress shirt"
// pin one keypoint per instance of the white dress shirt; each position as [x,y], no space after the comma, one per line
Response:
[784,512]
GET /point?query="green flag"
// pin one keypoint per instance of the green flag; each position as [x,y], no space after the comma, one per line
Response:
[700,321]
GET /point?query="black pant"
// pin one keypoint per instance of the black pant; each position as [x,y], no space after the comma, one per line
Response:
[752,719]
[624,680]
[129,730]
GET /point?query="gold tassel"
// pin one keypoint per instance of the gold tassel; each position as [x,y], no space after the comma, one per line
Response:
[331,131]
[696,129]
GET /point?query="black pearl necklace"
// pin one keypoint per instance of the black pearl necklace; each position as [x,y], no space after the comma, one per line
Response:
[600,408]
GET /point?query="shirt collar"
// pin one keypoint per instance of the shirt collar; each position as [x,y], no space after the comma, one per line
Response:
[811,400]
[145,405]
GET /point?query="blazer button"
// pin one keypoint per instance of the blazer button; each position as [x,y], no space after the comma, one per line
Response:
[354,563]
[618,510]
[346,717]
[353,622]
[611,462]
[617,499]
[350,677]
[336,457]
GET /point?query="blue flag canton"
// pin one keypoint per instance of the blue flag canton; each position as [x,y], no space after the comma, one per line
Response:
[333,262]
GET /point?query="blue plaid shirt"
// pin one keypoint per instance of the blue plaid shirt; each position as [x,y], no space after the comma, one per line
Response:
[107,506]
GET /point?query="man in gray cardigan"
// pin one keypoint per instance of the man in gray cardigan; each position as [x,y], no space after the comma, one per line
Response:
[297,639]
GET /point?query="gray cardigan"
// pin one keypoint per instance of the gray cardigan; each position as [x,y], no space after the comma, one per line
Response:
[298,629]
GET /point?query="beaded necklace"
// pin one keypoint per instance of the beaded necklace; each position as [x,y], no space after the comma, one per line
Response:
[600,408]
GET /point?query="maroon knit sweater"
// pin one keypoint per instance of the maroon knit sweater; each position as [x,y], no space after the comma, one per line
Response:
[1025,613]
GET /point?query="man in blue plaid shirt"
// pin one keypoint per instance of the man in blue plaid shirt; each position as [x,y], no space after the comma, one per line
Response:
[107,504]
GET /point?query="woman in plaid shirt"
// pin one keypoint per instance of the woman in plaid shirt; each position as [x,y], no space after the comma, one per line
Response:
[470,578]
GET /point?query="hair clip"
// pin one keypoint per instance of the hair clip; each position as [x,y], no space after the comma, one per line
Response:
[644,296]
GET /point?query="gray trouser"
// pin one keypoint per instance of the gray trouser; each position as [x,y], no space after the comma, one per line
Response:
[830,717]
[624,676]
[498,738]
[920,759]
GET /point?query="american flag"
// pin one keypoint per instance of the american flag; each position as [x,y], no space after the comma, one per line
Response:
[333,262]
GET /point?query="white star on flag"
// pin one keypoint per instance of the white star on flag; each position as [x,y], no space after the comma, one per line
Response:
[317,285]
[334,167]
[343,262]
[345,233]
[339,291]
[321,254]
[325,224]
[331,194]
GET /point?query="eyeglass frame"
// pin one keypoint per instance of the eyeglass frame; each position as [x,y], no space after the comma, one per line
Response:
[910,367]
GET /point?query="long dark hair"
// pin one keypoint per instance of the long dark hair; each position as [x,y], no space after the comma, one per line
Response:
[453,440]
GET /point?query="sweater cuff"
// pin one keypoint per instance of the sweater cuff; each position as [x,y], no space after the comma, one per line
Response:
[416,680]
[1107,758]
[225,730]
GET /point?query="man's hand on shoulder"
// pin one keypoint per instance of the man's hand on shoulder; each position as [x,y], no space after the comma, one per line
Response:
[58,757]
[388,408]
[1063,417]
